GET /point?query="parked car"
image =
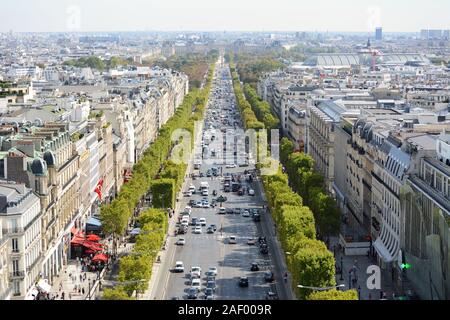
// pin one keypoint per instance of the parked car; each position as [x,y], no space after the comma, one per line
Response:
[232,240]
[254,267]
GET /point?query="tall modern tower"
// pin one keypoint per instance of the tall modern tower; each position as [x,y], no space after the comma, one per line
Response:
[379,34]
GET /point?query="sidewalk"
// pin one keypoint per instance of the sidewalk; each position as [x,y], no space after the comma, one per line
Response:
[69,279]
[361,263]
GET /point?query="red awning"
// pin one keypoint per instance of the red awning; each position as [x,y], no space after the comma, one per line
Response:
[74,230]
[100,258]
[93,237]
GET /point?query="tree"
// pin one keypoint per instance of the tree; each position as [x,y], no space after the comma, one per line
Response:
[286,149]
[133,269]
[295,220]
[117,293]
[313,266]
[164,193]
[333,295]
[326,212]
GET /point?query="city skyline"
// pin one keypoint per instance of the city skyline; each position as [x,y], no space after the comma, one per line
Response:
[202,15]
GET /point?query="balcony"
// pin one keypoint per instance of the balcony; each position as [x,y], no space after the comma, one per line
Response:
[12,231]
[17,275]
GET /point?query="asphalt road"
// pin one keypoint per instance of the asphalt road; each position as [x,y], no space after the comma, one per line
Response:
[213,250]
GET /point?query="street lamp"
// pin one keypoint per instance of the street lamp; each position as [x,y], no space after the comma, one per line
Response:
[342,268]
[321,289]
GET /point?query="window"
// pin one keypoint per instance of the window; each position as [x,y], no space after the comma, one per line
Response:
[15,245]
[16,288]
[15,266]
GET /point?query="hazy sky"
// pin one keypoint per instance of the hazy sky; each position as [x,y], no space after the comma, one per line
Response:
[230,15]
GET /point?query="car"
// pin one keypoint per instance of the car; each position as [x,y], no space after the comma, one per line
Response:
[210,230]
[188,194]
[243,282]
[241,192]
[205,193]
[254,267]
[222,211]
[213,270]
[196,272]
[246,214]
[232,240]
[199,204]
[188,209]
[181,242]
[209,294]
[192,294]
[179,266]
[198,230]
[202,222]
[211,285]
[264,249]
[192,203]
[175,298]
[269,276]
[257,218]
[251,242]
[237,211]
[251,192]
[205,204]
[229,211]
[197,284]
[194,221]
[231,166]
[185,224]
[214,227]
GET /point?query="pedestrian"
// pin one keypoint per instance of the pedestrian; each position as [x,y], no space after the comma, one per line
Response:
[381,294]
[370,296]
[62,295]
[82,290]
[81,278]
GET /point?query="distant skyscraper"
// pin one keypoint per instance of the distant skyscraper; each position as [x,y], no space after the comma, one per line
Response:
[379,34]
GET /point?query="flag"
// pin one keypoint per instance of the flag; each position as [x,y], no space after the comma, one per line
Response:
[98,189]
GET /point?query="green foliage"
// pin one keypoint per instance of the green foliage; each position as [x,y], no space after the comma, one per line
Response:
[326,211]
[247,114]
[286,149]
[333,295]
[117,293]
[164,193]
[312,265]
[251,67]
[133,269]
[89,62]
[296,220]
[261,108]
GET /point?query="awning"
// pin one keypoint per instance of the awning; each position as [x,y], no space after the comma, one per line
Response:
[135,232]
[382,251]
[93,237]
[100,258]
[94,222]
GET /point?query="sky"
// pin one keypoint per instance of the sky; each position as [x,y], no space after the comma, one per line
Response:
[223,15]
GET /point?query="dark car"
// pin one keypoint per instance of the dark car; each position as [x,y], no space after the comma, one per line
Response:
[214,227]
[210,230]
[241,192]
[254,267]
[257,218]
[243,282]
[192,294]
[209,292]
[269,276]
[230,211]
[264,249]
[192,203]
[211,285]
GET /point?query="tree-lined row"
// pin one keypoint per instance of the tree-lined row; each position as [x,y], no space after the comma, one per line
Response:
[247,114]
[261,108]
[136,268]
[153,172]
[310,186]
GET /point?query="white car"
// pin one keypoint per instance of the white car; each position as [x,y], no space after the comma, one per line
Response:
[246,214]
[188,209]
[232,240]
[198,230]
[205,193]
[213,270]
[179,266]
[205,205]
[203,222]
[197,284]
[196,272]
[181,242]
[192,188]
[251,192]
[231,166]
